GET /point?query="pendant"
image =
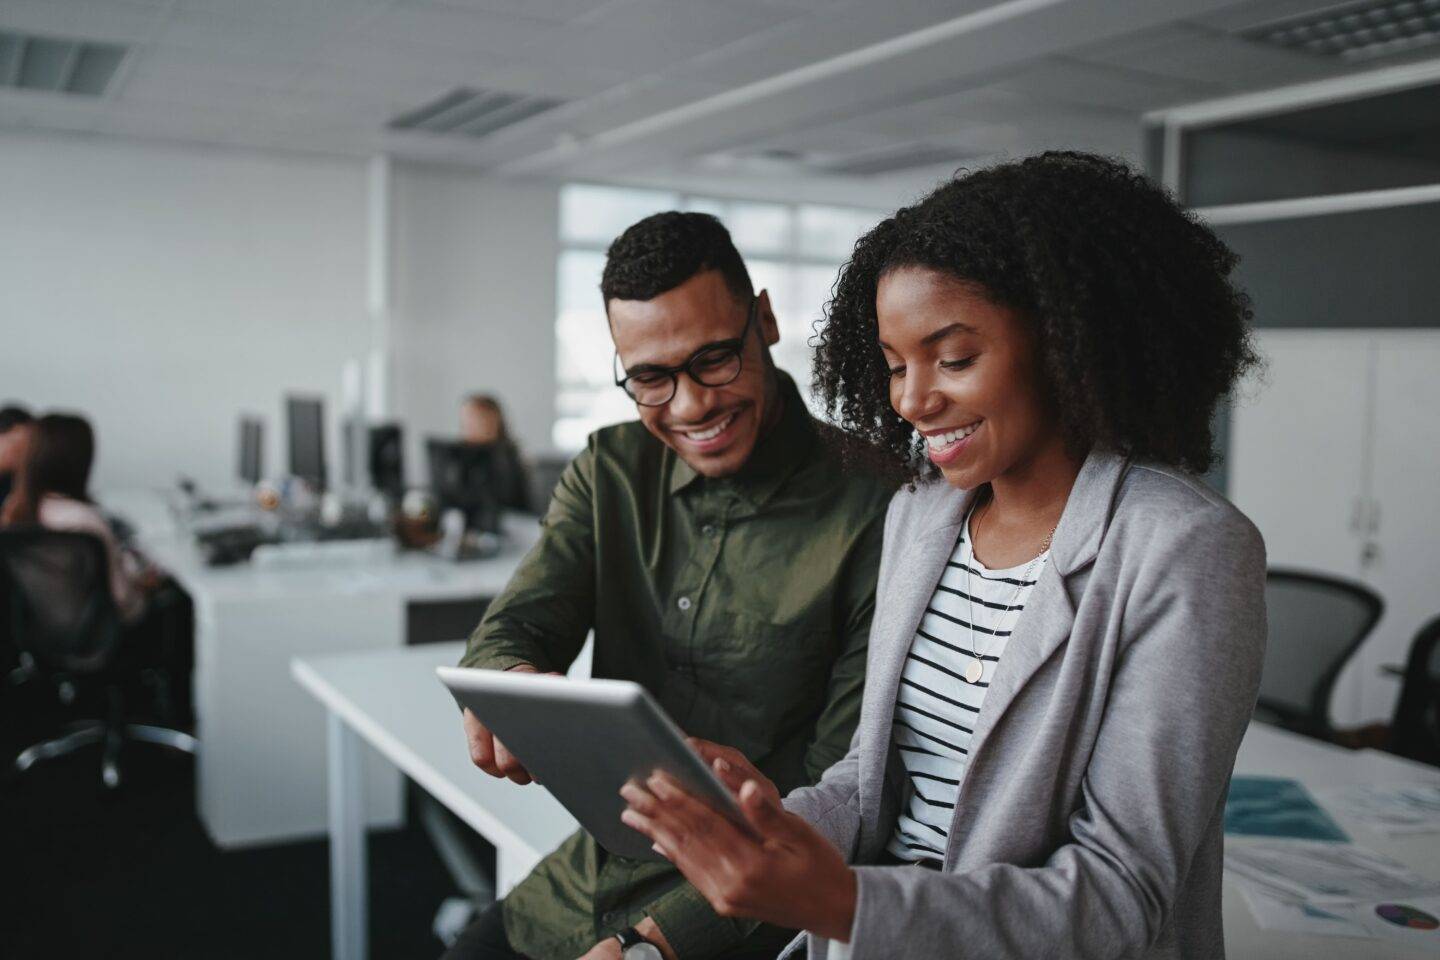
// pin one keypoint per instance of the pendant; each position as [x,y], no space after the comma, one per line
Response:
[974,670]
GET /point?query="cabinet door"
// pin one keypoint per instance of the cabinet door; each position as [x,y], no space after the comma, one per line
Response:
[1404,564]
[1297,458]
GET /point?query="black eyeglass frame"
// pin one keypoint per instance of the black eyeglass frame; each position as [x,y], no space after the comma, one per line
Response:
[735,346]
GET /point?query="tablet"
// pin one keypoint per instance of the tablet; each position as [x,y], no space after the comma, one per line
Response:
[583,739]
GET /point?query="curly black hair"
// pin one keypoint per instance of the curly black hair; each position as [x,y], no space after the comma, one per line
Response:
[664,250]
[1139,330]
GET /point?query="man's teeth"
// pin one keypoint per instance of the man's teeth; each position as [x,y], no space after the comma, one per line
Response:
[715,431]
[940,441]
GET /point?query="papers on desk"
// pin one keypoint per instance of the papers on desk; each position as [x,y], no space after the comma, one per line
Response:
[1393,809]
[1335,889]
[1276,807]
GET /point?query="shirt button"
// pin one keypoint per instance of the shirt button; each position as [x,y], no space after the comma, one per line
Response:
[708,529]
[612,916]
[683,603]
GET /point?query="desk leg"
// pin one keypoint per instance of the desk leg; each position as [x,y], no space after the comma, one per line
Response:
[348,870]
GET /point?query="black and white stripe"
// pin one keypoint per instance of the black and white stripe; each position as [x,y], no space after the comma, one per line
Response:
[972,609]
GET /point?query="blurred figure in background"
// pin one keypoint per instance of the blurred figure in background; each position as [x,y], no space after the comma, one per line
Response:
[482,423]
[52,490]
[14,429]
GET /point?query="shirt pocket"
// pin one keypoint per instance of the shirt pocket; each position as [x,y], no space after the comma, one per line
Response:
[770,678]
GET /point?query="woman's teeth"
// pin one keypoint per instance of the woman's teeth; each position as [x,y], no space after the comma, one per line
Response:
[710,434]
[939,441]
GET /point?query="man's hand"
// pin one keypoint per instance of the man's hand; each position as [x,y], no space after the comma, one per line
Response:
[488,753]
[609,948]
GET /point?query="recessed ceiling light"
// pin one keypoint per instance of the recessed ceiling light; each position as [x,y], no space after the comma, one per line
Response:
[1355,31]
[57,65]
[471,112]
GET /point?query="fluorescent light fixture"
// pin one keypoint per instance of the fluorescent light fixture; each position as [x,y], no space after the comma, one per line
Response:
[1355,31]
[470,112]
[57,65]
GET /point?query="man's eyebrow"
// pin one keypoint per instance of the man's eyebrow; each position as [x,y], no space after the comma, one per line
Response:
[648,367]
[935,335]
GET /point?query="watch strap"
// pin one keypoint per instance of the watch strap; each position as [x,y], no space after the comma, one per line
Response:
[629,937]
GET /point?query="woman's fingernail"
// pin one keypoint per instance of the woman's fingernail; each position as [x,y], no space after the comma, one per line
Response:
[721,765]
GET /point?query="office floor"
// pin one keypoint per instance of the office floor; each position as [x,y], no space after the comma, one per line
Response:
[134,875]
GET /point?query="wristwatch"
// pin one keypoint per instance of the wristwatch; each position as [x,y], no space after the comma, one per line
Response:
[635,947]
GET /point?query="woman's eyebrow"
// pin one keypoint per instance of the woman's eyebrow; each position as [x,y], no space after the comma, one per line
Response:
[934,335]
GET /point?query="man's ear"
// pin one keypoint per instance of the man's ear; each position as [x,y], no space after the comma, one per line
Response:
[765,318]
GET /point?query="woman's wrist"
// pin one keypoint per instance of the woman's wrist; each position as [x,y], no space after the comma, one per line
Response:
[840,907]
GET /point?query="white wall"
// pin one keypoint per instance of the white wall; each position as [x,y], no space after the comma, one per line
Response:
[164,290]
[473,303]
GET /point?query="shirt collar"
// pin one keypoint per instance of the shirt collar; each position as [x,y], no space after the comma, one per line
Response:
[776,456]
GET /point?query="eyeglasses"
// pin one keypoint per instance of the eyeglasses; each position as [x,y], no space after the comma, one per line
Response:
[713,365]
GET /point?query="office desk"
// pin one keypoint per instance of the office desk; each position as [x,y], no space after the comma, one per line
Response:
[393,702]
[260,772]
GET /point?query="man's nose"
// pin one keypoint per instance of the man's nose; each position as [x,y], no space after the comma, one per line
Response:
[692,401]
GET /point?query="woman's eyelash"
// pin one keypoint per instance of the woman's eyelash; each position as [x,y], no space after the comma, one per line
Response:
[957,364]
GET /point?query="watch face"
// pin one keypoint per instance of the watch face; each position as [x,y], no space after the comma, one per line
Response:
[643,951]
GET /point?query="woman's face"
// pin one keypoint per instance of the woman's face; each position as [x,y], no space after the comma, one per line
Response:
[965,373]
[479,424]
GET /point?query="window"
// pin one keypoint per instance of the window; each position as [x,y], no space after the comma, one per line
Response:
[792,250]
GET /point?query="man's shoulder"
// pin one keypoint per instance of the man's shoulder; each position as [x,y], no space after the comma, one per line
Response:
[857,483]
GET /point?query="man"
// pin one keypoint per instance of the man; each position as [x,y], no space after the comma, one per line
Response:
[723,560]
[14,429]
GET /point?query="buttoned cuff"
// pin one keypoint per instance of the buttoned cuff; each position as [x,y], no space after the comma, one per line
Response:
[692,927]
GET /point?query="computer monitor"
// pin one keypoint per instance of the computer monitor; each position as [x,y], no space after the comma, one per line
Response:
[462,478]
[251,463]
[305,417]
[387,458]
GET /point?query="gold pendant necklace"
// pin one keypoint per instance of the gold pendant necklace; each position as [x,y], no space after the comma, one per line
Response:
[975,669]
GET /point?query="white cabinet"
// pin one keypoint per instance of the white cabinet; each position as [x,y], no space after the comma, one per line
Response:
[1335,454]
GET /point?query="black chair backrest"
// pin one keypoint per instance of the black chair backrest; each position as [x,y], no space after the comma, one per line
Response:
[61,609]
[1316,623]
[1415,730]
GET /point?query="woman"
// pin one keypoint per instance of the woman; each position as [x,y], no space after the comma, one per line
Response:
[482,422]
[1069,626]
[53,491]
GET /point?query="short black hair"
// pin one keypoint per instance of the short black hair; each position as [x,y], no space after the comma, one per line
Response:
[664,250]
[1140,331]
[13,415]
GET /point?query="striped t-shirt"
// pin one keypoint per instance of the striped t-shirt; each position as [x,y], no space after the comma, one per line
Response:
[973,609]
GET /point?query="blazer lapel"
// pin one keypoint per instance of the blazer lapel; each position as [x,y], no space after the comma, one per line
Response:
[919,565]
[1049,614]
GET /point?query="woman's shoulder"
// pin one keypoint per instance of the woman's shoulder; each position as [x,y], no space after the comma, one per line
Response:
[1164,503]
[66,513]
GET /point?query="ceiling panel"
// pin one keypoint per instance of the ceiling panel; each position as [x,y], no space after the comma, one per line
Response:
[1105,86]
[1206,56]
[109,20]
[471,31]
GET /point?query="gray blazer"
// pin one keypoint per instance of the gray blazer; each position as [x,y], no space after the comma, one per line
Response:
[1089,823]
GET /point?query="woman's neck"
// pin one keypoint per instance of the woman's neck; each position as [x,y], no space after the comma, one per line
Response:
[1025,506]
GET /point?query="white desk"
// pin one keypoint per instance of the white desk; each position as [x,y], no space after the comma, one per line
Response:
[393,702]
[260,772]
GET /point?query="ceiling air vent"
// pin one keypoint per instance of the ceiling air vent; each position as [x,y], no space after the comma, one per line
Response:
[57,65]
[473,113]
[1355,31]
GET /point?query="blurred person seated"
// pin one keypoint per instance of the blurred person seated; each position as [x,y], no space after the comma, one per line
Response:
[15,423]
[52,491]
[482,423]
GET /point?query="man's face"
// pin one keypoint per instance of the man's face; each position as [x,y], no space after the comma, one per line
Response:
[667,331]
[12,448]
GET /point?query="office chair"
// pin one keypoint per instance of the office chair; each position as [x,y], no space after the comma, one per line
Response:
[65,625]
[1316,624]
[1415,729]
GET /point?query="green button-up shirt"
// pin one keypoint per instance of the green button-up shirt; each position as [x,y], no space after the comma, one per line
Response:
[742,604]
